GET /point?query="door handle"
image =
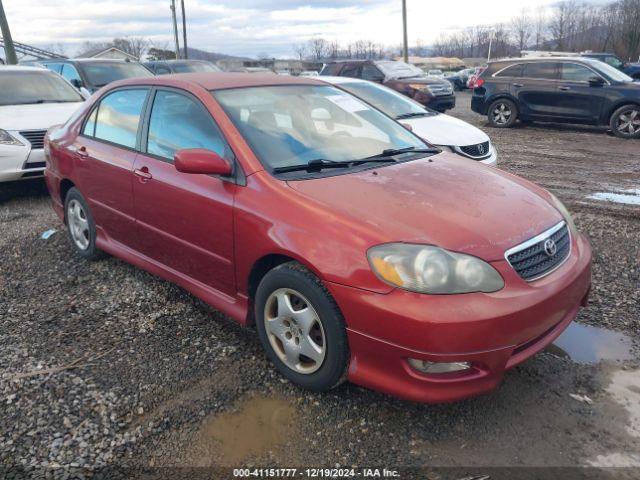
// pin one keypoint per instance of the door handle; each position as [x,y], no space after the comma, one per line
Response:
[82,152]
[564,88]
[518,85]
[143,174]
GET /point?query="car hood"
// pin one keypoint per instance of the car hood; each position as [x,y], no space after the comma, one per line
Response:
[445,201]
[445,130]
[35,117]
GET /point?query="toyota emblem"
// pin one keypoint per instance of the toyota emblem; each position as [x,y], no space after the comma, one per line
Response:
[481,149]
[550,247]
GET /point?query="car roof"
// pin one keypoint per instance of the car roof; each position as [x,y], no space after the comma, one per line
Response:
[21,68]
[220,80]
[334,80]
[545,59]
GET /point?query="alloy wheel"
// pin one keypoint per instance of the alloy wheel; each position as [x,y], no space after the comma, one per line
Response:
[629,121]
[295,331]
[78,224]
[501,114]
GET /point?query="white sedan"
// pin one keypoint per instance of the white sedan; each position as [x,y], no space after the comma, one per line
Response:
[442,130]
[31,101]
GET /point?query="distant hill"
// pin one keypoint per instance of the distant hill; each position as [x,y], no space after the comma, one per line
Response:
[197,54]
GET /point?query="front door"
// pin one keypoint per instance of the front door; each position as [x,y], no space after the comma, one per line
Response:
[184,221]
[537,91]
[579,100]
[105,153]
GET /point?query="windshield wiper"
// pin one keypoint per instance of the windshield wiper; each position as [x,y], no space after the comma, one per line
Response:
[404,116]
[397,151]
[319,164]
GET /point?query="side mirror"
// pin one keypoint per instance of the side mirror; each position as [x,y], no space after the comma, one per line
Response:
[378,79]
[596,81]
[76,83]
[199,160]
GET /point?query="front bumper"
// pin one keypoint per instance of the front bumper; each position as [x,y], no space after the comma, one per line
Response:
[494,331]
[439,103]
[20,162]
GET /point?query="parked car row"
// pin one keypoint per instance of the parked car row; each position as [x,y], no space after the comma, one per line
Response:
[435,93]
[571,90]
[89,75]
[357,249]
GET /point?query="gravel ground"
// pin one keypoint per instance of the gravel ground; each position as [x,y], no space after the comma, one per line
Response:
[103,365]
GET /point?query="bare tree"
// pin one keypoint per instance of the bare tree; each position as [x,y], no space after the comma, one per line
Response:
[629,12]
[134,46]
[540,24]
[522,27]
[319,48]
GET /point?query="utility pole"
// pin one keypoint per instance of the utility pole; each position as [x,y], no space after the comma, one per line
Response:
[184,31]
[405,43]
[9,50]
[175,28]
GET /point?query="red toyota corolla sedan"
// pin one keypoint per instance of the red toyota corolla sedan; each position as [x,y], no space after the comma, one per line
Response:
[357,250]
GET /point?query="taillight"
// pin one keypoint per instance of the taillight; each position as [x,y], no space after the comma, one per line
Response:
[478,83]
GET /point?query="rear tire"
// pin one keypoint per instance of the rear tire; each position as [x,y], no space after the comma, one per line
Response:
[625,122]
[295,314]
[81,226]
[502,113]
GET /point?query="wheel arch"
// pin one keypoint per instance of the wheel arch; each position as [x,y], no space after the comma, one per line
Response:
[609,113]
[500,96]
[264,265]
[65,186]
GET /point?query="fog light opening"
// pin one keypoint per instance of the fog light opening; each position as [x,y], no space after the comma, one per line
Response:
[423,366]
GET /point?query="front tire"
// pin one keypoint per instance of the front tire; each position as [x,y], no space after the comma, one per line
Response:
[502,113]
[301,328]
[81,226]
[625,122]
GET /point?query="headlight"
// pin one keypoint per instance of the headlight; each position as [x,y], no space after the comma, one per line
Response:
[420,86]
[429,269]
[7,139]
[564,212]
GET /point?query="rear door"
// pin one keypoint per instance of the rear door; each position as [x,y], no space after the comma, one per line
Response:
[578,100]
[184,221]
[537,92]
[105,153]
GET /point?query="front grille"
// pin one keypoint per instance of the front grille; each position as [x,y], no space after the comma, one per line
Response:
[536,258]
[440,90]
[477,151]
[35,137]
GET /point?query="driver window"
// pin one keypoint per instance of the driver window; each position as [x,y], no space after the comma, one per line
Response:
[177,122]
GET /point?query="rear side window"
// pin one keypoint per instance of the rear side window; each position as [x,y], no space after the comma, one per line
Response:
[514,71]
[119,116]
[541,70]
[572,72]
[351,71]
[330,69]
[370,72]
[178,122]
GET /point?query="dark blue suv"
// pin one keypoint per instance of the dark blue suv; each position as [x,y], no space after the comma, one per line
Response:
[552,89]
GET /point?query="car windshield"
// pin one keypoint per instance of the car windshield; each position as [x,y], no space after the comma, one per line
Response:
[611,72]
[388,101]
[400,70]
[39,86]
[297,124]
[195,67]
[100,74]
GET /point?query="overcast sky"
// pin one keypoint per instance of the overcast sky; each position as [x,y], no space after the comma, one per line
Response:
[250,27]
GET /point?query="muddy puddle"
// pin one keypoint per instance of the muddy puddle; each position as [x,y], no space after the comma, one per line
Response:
[628,197]
[587,344]
[257,427]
